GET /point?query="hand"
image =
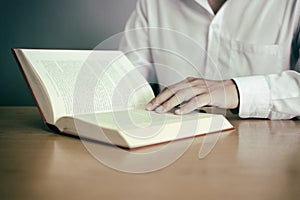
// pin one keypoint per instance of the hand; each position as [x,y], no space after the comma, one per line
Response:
[196,93]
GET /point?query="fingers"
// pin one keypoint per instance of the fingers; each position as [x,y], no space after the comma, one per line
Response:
[178,98]
[161,97]
[183,92]
[198,93]
[195,103]
[167,94]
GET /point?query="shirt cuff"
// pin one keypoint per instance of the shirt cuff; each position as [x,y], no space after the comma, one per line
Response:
[255,98]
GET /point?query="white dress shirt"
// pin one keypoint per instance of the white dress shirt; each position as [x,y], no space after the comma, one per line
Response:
[254,42]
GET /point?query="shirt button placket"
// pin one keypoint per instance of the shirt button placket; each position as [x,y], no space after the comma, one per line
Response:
[213,48]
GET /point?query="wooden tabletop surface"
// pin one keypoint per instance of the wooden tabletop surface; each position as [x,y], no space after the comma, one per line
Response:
[260,159]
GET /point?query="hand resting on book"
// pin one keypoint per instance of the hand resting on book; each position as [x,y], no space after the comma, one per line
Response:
[197,93]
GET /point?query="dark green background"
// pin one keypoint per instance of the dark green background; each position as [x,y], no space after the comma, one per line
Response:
[70,24]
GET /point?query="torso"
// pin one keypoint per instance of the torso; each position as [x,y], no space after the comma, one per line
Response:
[249,37]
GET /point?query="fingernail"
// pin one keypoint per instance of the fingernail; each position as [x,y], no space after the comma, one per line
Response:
[178,112]
[149,106]
[160,109]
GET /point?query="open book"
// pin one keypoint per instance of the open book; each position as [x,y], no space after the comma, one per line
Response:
[100,95]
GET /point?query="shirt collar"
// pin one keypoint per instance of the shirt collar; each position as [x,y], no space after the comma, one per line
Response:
[205,4]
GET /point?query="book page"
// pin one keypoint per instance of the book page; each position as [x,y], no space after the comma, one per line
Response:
[36,87]
[80,81]
[116,86]
[139,127]
[141,118]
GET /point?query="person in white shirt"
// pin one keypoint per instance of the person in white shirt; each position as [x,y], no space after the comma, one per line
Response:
[230,54]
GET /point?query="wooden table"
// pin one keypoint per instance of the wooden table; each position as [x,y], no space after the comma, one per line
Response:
[260,159]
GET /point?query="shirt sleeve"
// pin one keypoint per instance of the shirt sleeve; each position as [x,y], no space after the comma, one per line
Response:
[275,96]
[135,42]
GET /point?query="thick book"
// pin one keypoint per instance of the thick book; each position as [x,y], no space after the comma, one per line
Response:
[100,95]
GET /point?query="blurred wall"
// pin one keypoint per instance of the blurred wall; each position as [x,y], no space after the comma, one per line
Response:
[70,24]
